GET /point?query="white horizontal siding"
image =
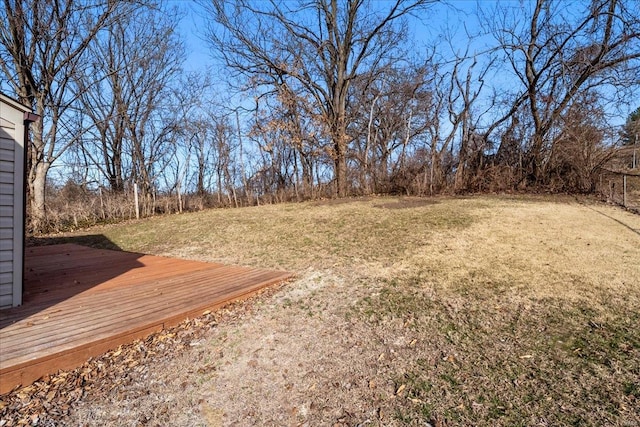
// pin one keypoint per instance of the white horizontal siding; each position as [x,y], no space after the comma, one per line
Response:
[11,200]
[6,166]
[6,245]
[6,190]
[6,233]
[6,255]
[6,278]
[6,155]
[5,283]
[6,123]
[6,178]
[7,225]
[6,267]
[6,301]
[6,290]
[6,211]
[6,142]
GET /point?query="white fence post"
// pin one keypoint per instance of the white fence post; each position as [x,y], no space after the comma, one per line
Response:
[135,198]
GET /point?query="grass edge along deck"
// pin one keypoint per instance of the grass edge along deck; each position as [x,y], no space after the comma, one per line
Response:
[185,290]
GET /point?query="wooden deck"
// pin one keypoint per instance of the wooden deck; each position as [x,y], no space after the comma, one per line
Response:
[80,302]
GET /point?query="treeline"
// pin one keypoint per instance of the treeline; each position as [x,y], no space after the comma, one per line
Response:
[314,99]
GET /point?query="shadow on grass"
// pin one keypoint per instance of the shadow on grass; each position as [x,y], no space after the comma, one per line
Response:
[633,230]
[406,203]
[98,241]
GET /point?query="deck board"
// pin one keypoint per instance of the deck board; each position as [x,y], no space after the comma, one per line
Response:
[80,302]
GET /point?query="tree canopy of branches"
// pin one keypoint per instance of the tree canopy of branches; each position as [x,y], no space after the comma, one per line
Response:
[127,95]
[317,48]
[558,51]
[42,47]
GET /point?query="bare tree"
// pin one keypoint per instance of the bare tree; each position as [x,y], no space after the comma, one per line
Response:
[319,47]
[42,46]
[581,147]
[393,115]
[557,51]
[200,130]
[453,120]
[221,139]
[286,135]
[210,139]
[130,95]
[472,142]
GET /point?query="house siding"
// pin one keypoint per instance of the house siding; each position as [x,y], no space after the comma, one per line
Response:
[11,202]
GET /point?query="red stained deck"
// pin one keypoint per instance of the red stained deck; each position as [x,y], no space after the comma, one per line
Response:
[80,302]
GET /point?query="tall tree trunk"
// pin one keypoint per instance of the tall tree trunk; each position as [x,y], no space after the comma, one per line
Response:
[435,178]
[340,138]
[340,164]
[307,175]
[535,173]
[37,189]
[38,167]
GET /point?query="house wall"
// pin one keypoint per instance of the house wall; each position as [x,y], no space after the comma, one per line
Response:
[11,202]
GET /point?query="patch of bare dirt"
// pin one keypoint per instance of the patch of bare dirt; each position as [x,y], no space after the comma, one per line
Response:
[296,357]
[50,401]
[483,311]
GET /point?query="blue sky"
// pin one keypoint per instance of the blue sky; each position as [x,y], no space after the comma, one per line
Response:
[192,27]
[456,18]
[425,27]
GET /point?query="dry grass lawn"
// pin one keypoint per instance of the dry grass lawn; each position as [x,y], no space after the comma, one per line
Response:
[452,311]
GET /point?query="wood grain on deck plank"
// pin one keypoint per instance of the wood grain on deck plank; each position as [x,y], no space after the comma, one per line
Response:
[80,302]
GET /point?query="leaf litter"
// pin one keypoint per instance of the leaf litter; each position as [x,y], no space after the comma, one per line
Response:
[461,312]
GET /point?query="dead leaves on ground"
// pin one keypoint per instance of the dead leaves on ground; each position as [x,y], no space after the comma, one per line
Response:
[48,401]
